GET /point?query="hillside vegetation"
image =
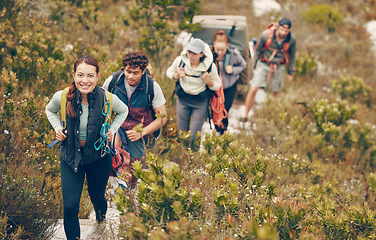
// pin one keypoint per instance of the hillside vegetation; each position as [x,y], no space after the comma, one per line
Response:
[306,169]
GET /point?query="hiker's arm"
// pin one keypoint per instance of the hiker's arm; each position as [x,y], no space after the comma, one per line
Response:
[121,111]
[212,79]
[107,82]
[52,110]
[179,74]
[259,47]
[152,127]
[292,50]
[240,63]
[173,69]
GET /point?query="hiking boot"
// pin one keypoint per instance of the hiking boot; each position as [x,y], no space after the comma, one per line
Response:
[243,119]
[99,231]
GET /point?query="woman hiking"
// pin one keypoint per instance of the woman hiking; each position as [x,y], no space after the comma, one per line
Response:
[196,75]
[80,153]
[230,64]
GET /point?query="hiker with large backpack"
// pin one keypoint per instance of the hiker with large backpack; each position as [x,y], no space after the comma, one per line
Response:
[196,77]
[230,63]
[134,86]
[84,131]
[274,53]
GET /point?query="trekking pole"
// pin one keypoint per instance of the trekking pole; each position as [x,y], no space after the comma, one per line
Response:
[55,141]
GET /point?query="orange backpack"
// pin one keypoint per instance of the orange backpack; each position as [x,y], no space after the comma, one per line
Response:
[272,28]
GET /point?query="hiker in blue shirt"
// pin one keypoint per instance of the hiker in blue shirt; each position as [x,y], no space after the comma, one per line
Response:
[133,85]
[79,157]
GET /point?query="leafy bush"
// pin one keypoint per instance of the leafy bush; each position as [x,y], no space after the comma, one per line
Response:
[329,116]
[161,196]
[352,88]
[305,65]
[157,23]
[324,15]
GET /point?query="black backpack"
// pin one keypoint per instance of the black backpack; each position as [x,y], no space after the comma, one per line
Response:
[150,95]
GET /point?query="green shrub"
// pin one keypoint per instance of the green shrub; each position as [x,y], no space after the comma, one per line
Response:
[161,197]
[372,181]
[305,65]
[353,89]
[324,15]
[329,116]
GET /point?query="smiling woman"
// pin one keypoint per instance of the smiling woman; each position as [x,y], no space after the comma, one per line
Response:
[86,79]
[79,156]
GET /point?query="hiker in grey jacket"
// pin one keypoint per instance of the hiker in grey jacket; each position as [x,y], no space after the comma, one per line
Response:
[230,64]
[195,74]
[275,51]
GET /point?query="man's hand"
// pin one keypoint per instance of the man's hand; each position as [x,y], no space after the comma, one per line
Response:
[133,135]
[289,78]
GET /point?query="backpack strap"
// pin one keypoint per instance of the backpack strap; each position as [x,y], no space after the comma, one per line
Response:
[108,97]
[268,43]
[269,39]
[115,77]
[63,105]
[150,96]
[182,64]
[150,90]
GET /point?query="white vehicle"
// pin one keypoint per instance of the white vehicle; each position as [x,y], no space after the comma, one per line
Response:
[235,27]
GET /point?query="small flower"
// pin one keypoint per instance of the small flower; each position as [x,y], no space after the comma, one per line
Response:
[6,131]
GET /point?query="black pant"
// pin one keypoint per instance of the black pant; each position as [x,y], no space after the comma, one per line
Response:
[229,94]
[97,174]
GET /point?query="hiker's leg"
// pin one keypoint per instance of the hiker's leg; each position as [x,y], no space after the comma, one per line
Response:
[97,174]
[250,100]
[276,81]
[258,80]
[199,115]
[136,148]
[71,185]
[183,112]
[229,94]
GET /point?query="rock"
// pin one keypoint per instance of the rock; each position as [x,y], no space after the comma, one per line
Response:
[371,28]
[264,6]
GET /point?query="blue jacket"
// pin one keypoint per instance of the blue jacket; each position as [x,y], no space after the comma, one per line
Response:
[140,109]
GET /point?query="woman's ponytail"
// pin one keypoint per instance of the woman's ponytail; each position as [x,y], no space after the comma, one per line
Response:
[70,96]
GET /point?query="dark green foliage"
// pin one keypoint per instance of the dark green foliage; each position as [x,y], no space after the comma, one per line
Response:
[158,22]
[325,16]
[353,89]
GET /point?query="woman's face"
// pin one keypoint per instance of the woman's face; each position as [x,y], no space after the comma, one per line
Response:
[86,78]
[220,48]
[194,58]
